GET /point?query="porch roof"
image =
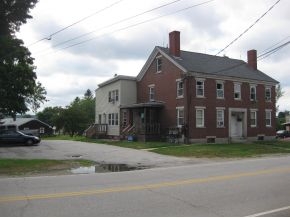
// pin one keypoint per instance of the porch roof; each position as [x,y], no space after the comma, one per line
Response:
[151,104]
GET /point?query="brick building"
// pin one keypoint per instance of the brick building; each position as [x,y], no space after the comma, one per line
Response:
[200,98]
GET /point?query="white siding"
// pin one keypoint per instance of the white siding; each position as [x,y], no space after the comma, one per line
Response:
[127,95]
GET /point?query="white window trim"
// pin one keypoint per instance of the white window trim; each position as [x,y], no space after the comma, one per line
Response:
[203,85]
[254,111]
[268,100]
[255,88]
[42,130]
[223,84]
[268,111]
[240,91]
[157,65]
[151,86]
[223,118]
[178,117]
[201,108]
[178,81]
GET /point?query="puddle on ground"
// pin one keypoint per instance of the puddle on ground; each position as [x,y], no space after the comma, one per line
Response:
[104,168]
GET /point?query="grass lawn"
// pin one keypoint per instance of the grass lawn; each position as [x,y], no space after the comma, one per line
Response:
[233,150]
[19,167]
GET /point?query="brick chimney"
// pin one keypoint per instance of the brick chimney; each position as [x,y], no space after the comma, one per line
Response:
[174,43]
[252,59]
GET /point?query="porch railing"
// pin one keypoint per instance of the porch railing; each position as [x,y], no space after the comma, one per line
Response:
[150,128]
[96,130]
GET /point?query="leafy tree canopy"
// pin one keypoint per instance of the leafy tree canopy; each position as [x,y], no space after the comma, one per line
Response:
[19,90]
[14,13]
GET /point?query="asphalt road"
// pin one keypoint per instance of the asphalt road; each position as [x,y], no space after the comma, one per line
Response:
[61,150]
[247,187]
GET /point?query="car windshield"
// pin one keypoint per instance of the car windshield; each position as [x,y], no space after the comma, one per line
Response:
[21,133]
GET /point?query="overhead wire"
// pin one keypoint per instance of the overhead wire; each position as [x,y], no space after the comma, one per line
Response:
[246,30]
[49,37]
[133,25]
[115,23]
[260,57]
[272,51]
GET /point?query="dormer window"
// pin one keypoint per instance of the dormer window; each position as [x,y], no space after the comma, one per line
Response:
[158,64]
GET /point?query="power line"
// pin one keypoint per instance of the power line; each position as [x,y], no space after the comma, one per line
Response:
[115,23]
[260,57]
[136,24]
[248,28]
[275,44]
[76,22]
[272,51]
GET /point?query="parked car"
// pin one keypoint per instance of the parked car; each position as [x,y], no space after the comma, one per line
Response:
[17,137]
[282,134]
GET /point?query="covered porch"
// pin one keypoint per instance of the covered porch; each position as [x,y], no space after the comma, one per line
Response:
[141,121]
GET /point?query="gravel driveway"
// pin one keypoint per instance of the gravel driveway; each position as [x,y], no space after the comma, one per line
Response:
[58,149]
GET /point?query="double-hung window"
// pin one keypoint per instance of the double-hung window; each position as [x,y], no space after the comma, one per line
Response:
[253,118]
[180,116]
[220,90]
[114,119]
[199,116]
[199,88]
[179,88]
[151,92]
[237,91]
[268,94]
[220,118]
[253,95]
[114,96]
[268,118]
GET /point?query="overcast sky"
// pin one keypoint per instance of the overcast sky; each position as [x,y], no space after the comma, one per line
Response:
[111,39]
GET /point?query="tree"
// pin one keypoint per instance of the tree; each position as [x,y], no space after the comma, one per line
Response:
[13,14]
[73,119]
[19,90]
[279,94]
[50,115]
[89,94]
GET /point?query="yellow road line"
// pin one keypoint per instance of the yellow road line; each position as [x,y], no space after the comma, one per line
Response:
[4,199]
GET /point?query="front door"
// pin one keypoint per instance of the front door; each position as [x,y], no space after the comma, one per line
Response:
[237,120]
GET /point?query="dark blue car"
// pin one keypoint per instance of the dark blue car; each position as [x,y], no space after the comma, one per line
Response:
[17,137]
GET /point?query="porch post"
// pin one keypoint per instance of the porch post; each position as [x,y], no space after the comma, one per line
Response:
[145,120]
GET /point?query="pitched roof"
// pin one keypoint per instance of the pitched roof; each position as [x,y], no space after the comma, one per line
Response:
[20,121]
[192,62]
[117,78]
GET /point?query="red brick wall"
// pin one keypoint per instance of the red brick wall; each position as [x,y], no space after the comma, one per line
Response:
[165,90]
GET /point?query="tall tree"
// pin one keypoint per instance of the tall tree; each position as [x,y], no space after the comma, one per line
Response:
[89,94]
[279,94]
[14,13]
[19,90]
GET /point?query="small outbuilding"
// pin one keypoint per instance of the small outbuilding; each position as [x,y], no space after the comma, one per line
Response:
[27,125]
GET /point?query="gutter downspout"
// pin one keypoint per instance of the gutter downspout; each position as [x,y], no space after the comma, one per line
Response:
[187,101]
